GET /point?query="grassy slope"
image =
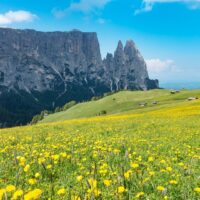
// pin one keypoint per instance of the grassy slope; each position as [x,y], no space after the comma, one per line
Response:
[125,101]
[170,134]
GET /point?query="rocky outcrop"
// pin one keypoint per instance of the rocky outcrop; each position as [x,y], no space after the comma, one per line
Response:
[127,69]
[42,70]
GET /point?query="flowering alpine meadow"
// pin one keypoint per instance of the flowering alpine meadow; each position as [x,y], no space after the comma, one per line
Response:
[153,155]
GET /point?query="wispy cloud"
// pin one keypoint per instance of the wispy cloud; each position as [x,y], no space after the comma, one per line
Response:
[157,66]
[16,17]
[88,5]
[147,5]
[103,21]
[83,6]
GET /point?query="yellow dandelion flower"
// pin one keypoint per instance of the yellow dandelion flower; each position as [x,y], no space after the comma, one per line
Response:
[49,166]
[107,183]
[121,189]
[63,154]
[26,168]
[150,159]
[37,175]
[181,164]
[75,198]
[2,192]
[197,189]
[134,165]
[10,188]
[173,182]
[151,173]
[139,194]
[127,174]
[162,161]
[97,192]
[33,195]
[169,169]
[55,157]
[92,182]
[61,191]
[17,194]
[79,178]
[32,181]
[160,188]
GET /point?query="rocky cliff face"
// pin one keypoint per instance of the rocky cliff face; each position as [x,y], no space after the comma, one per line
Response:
[41,70]
[127,69]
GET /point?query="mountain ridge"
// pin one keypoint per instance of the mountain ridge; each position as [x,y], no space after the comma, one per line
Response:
[42,70]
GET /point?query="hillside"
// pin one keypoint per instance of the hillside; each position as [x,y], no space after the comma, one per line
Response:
[131,155]
[125,101]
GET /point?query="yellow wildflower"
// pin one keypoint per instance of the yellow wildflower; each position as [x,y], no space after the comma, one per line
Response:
[63,154]
[150,159]
[37,175]
[107,183]
[49,166]
[169,169]
[151,173]
[2,192]
[26,168]
[173,182]
[32,181]
[75,198]
[33,195]
[197,189]
[10,188]
[121,189]
[127,174]
[139,194]
[55,157]
[61,191]
[17,194]
[79,178]
[160,188]
[92,182]
[97,192]
[134,165]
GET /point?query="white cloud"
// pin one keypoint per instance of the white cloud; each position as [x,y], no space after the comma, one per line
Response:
[84,6]
[158,66]
[16,17]
[103,21]
[147,5]
[88,5]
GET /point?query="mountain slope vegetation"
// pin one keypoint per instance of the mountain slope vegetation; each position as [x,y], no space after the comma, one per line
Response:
[145,153]
[124,101]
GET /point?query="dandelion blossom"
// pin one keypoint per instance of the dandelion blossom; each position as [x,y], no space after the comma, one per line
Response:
[61,191]
[160,188]
[107,183]
[10,188]
[121,189]
[197,189]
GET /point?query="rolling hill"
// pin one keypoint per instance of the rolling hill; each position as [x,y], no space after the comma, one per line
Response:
[133,152]
[123,102]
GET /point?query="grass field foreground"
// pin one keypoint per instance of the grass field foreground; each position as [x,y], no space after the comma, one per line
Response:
[148,155]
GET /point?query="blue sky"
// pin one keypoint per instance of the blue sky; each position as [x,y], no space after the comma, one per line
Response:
[167,32]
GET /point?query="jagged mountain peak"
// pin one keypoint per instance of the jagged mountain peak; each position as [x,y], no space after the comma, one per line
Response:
[120,45]
[131,50]
[130,43]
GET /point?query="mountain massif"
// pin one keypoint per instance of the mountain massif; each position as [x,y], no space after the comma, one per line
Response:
[42,70]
